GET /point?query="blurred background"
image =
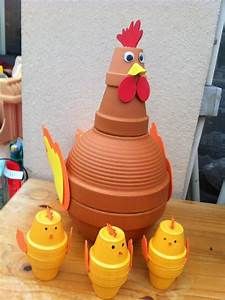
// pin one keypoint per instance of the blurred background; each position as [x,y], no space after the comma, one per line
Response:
[10,43]
[212,145]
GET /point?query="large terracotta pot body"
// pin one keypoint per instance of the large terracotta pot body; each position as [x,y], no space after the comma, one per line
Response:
[117,172]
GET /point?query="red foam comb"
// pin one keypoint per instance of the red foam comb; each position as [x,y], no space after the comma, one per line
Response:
[131,35]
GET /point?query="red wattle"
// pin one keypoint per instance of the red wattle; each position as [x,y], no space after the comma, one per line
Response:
[143,89]
[127,89]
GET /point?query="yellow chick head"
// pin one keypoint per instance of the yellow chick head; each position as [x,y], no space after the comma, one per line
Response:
[169,238]
[47,228]
[110,246]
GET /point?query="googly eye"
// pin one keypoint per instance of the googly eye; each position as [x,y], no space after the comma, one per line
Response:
[175,241]
[164,238]
[46,228]
[122,244]
[113,247]
[56,227]
[128,56]
[141,57]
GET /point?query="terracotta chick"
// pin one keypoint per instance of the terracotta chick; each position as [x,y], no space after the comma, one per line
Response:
[166,254]
[45,244]
[109,261]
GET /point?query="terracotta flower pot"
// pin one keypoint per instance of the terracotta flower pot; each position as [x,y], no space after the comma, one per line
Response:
[10,109]
[118,172]
[89,220]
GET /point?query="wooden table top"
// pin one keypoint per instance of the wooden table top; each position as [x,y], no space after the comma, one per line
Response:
[203,277]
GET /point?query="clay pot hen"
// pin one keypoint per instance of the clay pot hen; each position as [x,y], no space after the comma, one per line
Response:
[117,171]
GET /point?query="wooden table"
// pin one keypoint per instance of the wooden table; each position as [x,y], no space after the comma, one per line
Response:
[203,278]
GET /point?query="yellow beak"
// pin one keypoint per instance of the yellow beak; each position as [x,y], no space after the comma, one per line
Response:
[136,69]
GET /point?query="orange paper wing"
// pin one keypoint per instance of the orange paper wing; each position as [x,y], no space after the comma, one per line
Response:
[156,137]
[144,246]
[131,250]
[86,256]
[58,168]
[21,240]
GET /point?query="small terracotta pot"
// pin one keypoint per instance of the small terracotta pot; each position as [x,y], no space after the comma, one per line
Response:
[113,116]
[10,109]
[89,220]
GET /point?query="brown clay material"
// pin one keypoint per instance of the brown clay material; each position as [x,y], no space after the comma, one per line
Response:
[90,232]
[10,109]
[89,220]
[117,171]
[118,65]
[117,174]
[117,202]
[114,117]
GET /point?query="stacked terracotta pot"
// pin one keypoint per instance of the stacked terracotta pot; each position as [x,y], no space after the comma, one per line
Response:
[10,109]
[117,172]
